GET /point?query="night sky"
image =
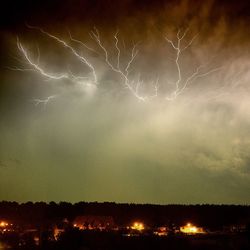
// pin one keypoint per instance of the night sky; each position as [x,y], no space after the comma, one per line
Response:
[154,140]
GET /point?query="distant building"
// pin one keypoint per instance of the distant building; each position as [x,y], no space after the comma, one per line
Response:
[161,231]
[94,222]
[57,232]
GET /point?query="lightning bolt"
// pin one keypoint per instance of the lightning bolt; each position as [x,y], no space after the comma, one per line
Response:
[45,101]
[123,72]
[180,83]
[36,67]
[120,66]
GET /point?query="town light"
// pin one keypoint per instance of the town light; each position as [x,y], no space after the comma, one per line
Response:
[137,226]
[189,229]
[3,224]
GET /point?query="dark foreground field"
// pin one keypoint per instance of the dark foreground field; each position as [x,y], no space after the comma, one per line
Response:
[116,242]
[77,240]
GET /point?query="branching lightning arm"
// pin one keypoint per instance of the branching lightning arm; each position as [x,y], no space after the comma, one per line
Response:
[123,72]
[181,83]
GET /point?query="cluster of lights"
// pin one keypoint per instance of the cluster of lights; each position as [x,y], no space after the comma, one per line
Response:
[189,229]
[3,224]
[138,226]
[81,227]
